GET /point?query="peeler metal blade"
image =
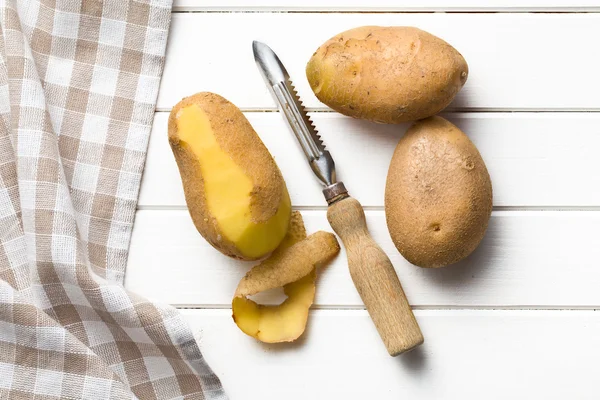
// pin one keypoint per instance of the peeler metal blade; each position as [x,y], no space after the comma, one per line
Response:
[289,103]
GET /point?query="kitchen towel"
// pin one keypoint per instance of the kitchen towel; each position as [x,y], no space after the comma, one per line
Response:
[78,87]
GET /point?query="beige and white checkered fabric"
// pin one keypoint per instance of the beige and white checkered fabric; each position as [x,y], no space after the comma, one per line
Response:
[78,86]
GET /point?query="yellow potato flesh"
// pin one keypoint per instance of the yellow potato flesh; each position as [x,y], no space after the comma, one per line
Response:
[228,189]
[281,323]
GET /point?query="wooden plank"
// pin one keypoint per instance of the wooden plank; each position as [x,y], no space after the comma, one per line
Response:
[527,259]
[534,159]
[517,61]
[467,355]
[386,5]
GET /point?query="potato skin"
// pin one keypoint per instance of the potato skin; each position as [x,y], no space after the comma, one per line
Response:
[386,74]
[237,138]
[438,196]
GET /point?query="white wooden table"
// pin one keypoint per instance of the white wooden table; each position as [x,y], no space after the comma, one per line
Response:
[516,319]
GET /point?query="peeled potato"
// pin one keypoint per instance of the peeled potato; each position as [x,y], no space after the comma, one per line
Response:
[292,266]
[438,195]
[235,193]
[386,74]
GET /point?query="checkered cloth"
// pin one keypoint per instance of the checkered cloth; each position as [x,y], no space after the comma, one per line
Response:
[78,86]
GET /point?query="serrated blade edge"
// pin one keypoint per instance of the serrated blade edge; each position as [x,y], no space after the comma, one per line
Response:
[312,130]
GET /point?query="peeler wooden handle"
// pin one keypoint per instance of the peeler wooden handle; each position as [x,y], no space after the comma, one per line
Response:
[375,278]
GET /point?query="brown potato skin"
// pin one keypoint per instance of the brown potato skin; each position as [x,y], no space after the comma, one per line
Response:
[236,137]
[386,74]
[438,196]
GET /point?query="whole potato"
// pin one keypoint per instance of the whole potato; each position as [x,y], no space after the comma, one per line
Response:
[386,74]
[438,196]
[235,193]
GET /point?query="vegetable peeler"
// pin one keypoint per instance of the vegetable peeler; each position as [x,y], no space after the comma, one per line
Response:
[370,268]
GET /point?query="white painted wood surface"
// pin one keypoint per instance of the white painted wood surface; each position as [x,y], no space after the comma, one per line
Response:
[532,109]
[388,5]
[516,61]
[492,355]
[530,259]
[534,159]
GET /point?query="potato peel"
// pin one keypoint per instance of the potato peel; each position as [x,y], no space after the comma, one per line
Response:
[290,265]
[293,266]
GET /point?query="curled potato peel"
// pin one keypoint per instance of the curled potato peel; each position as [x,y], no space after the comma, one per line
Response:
[293,267]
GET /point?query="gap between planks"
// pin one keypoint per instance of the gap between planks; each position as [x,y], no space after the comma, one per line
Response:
[373,6]
[415,308]
[183,9]
[496,209]
[450,111]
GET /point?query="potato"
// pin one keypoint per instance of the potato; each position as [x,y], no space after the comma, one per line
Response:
[235,193]
[386,74]
[438,196]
